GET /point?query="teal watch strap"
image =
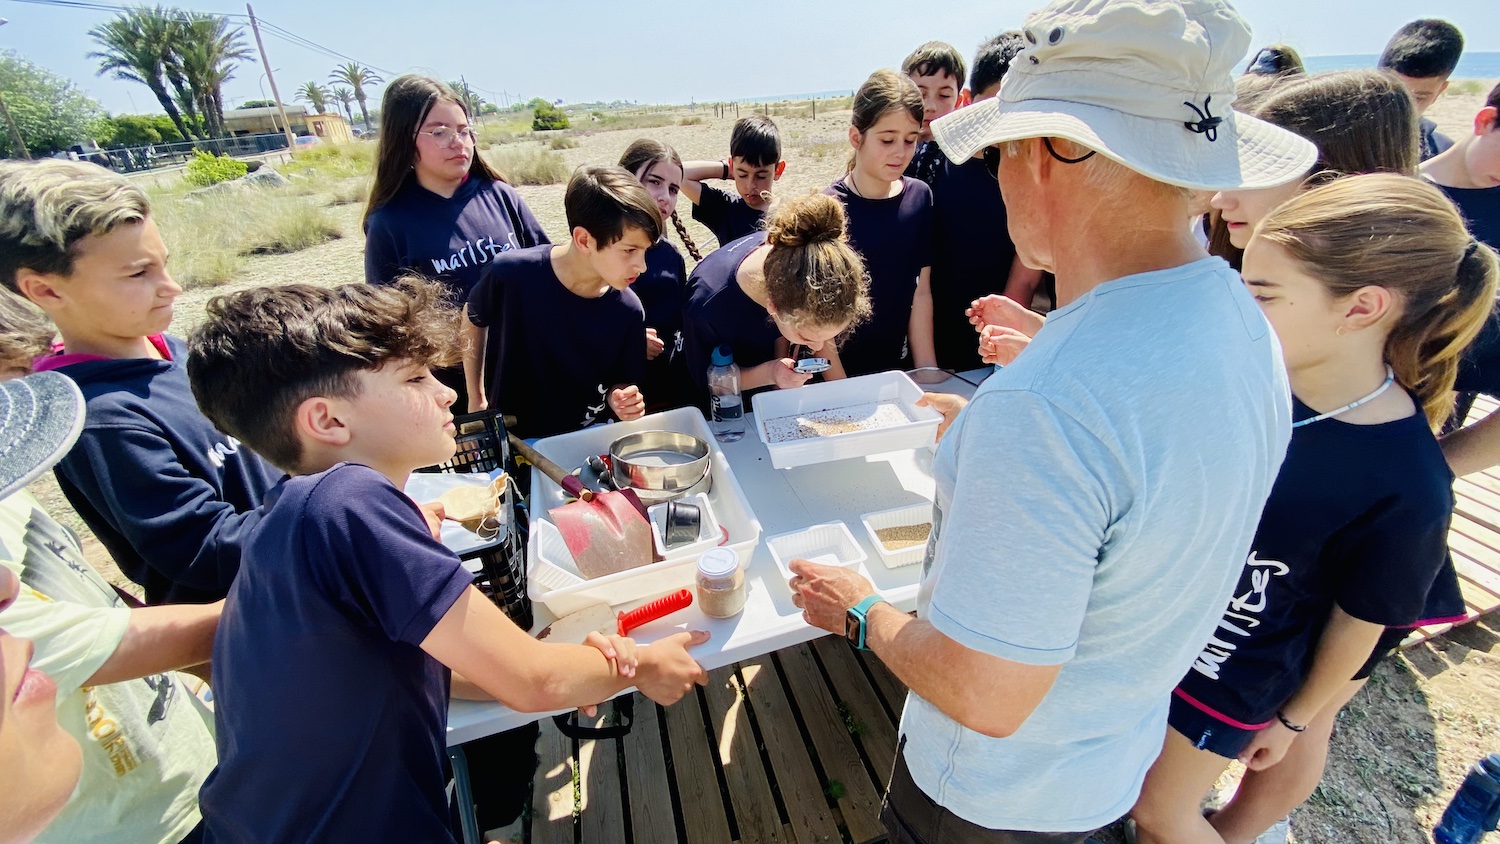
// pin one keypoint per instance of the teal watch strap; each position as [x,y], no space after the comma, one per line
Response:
[857,614]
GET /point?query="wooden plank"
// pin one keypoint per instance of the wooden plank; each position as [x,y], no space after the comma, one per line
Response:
[889,686]
[1467,549]
[646,778]
[601,809]
[807,808]
[1478,504]
[749,788]
[1473,570]
[552,794]
[872,728]
[860,800]
[703,818]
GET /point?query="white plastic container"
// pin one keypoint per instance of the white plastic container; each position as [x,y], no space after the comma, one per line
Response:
[880,388]
[709,533]
[830,544]
[561,595]
[895,558]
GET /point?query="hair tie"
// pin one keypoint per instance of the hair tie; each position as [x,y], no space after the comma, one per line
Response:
[1469,253]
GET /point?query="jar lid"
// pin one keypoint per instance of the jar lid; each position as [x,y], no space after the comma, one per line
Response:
[718,562]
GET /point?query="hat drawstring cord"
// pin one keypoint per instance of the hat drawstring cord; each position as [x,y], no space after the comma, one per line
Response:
[1206,124]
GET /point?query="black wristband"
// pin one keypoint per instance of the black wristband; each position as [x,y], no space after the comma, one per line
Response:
[726,171]
[1288,724]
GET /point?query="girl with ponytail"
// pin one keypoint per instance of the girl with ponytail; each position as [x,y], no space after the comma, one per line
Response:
[798,282]
[1375,288]
[663,287]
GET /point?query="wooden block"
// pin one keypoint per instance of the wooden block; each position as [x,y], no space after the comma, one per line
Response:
[646,777]
[1479,573]
[749,788]
[891,689]
[703,817]
[808,813]
[601,809]
[860,801]
[878,738]
[552,794]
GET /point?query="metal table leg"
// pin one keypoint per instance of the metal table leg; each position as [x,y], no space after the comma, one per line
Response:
[463,792]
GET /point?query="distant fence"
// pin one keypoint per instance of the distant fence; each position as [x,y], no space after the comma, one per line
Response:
[155,156]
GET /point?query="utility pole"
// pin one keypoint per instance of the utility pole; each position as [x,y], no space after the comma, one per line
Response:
[14,132]
[286,125]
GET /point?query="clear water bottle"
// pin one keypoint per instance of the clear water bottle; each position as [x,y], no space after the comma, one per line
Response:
[1475,809]
[727,409]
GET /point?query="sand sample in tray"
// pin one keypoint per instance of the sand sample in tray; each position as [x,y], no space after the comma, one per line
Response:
[837,420]
[904,536]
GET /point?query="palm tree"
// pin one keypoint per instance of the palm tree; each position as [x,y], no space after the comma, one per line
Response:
[357,77]
[344,97]
[134,48]
[314,95]
[205,52]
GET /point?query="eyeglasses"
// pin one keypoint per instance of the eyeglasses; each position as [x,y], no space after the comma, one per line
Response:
[443,135]
[993,154]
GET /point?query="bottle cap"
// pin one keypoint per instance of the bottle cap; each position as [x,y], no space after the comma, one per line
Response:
[723,355]
[718,562]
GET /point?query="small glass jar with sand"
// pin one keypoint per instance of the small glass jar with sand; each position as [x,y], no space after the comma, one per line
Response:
[721,583]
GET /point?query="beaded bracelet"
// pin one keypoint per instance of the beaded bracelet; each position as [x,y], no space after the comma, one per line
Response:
[1288,724]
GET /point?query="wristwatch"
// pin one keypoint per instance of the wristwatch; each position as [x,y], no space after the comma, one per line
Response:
[726,169]
[854,621]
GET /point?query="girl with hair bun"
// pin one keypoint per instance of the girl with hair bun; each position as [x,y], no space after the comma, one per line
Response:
[436,207]
[890,225]
[799,283]
[1375,288]
[663,287]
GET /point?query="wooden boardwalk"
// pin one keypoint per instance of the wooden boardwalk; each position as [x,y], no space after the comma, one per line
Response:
[793,748]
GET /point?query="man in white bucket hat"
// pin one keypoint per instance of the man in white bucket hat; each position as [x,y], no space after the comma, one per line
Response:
[1096,499]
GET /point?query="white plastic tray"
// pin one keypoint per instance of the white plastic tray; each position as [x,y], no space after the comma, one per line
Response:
[916,514]
[830,544]
[709,534]
[730,507]
[880,387]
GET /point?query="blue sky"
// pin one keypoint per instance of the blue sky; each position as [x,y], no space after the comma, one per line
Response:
[661,51]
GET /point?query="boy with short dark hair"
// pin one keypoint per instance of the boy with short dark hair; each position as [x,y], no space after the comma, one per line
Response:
[754,164]
[1423,54]
[168,495]
[571,336]
[972,255]
[938,71]
[333,657]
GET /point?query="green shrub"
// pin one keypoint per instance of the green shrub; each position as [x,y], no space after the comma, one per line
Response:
[690,121]
[333,161]
[209,236]
[350,192]
[206,169]
[546,117]
[562,142]
[530,165]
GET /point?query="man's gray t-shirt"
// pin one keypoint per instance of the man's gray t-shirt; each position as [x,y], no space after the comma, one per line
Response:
[1095,502]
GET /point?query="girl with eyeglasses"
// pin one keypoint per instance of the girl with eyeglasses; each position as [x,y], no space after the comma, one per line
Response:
[437,207]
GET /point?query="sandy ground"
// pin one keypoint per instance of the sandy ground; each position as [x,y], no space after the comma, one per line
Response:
[1402,746]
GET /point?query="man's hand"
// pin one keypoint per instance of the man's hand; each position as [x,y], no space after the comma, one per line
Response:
[825,593]
[627,403]
[433,513]
[1268,747]
[945,403]
[654,345]
[667,671]
[995,309]
[784,376]
[999,344]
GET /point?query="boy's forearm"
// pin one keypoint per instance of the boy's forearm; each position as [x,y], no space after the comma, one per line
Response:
[475,338]
[164,638]
[1345,645]
[1475,448]
[699,171]
[1022,283]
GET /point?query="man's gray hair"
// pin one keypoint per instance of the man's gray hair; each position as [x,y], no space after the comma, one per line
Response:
[46,207]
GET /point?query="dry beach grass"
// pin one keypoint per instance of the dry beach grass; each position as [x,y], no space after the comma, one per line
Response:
[1402,745]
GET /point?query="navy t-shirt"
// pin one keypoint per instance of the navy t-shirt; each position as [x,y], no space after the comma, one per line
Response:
[1432,141]
[1479,371]
[718,312]
[726,214]
[971,257]
[452,240]
[894,236]
[663,291]
[329,716]
[929,164]
[1358,518]
[552,355]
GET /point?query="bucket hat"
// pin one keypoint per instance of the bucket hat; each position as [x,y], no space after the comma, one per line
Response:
[41,416]
[1148,83]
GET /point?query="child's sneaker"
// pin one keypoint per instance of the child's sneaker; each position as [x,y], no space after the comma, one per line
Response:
[1277,834]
